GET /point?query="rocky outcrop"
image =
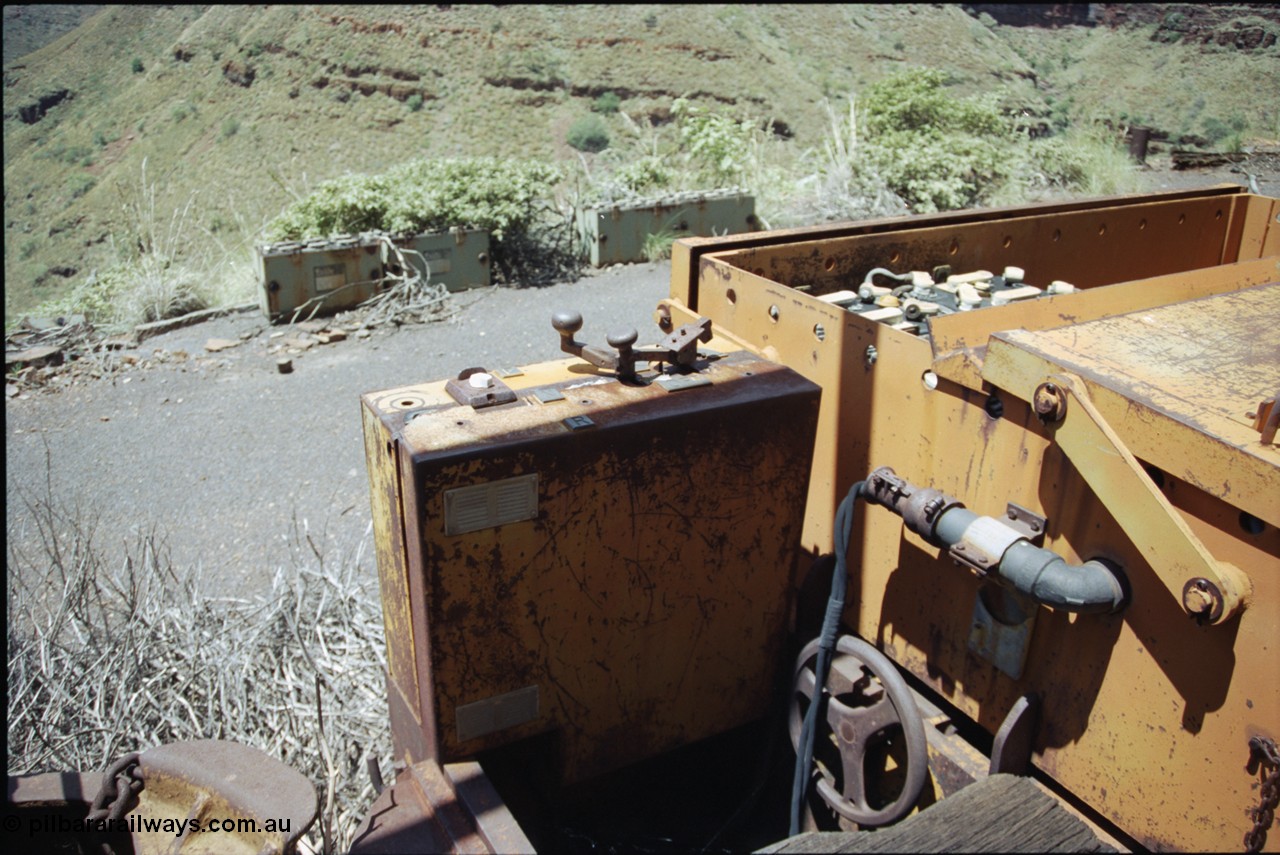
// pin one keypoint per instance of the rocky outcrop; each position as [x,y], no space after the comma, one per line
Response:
[1048,15]
[35,110]
[239,73]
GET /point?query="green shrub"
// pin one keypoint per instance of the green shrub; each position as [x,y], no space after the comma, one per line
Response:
[230,127]
[1219,131]
[644,174]
[79,184]
[717,146]
[934,150]
[137,66]
[657,246]
[588,134]
[507,198]
[414,102]
[607,102]
[1086,159]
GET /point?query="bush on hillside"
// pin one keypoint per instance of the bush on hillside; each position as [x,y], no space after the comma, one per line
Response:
[607,102]
[588,134]
[934,150]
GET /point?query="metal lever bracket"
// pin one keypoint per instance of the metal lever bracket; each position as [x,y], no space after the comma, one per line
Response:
[679,348]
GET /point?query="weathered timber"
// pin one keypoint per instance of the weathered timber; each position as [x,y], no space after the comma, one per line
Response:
[1002,813]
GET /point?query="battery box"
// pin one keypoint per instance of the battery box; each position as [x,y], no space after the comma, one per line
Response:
[563,551]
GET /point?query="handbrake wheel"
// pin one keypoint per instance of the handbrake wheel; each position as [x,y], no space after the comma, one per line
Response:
[863,713]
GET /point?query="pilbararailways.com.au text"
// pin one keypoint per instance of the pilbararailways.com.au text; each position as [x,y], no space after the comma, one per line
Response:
[134,824]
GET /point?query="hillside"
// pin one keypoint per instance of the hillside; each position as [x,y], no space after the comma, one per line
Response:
[235,110]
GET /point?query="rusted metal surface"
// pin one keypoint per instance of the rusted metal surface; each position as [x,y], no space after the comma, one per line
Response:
[687,253]
[1177,382]
[1142,711]
[202,788]
[960,340]
[633,611]
[49,812]
[1119,482]
[449,810]
[207,796]
[678,348]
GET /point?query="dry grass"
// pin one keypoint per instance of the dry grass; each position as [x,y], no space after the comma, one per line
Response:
[105,660]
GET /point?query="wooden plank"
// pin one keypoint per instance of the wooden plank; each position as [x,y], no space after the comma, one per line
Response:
[1003,813]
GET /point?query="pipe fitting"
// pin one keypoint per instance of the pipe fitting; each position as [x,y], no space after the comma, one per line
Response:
[995,549]
[921,508]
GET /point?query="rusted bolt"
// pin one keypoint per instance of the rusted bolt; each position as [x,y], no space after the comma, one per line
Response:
[1202,599]
[1049,403]
[662,317]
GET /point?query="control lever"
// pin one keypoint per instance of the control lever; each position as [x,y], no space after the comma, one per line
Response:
[678,348]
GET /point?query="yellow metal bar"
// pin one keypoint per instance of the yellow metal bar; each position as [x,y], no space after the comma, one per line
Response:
[1151,522]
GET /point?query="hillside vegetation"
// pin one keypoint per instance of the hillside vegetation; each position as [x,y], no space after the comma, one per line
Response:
[193,127]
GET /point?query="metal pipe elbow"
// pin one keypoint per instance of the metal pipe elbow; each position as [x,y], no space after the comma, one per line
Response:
[1094,586]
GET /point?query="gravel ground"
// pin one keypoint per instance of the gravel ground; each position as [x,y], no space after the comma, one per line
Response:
[221,452]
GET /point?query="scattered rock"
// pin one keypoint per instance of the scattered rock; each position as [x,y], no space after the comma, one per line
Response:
[10,390]
[214,345]
[299,343]
[119,342]
[46,355]
[284,366]
[337,335]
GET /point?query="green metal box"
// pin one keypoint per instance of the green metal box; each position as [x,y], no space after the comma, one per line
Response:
[616,232]
[340,272]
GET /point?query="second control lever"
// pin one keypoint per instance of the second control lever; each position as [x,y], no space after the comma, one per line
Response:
[678,348]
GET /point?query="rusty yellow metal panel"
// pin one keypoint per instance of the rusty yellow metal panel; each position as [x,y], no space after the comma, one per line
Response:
[382,465]
[960,340]
[1146,714]
[1179,382]
[607,561]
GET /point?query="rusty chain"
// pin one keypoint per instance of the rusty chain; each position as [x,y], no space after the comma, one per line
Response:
[1263,752]
[120,787]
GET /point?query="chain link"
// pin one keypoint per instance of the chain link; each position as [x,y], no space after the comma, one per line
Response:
[120,787]
[1263,752]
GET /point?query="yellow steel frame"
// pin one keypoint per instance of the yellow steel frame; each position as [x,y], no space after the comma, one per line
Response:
[1147,713]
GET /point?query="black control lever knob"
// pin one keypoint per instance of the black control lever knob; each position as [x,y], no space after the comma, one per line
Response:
[622,339]
[567,323]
